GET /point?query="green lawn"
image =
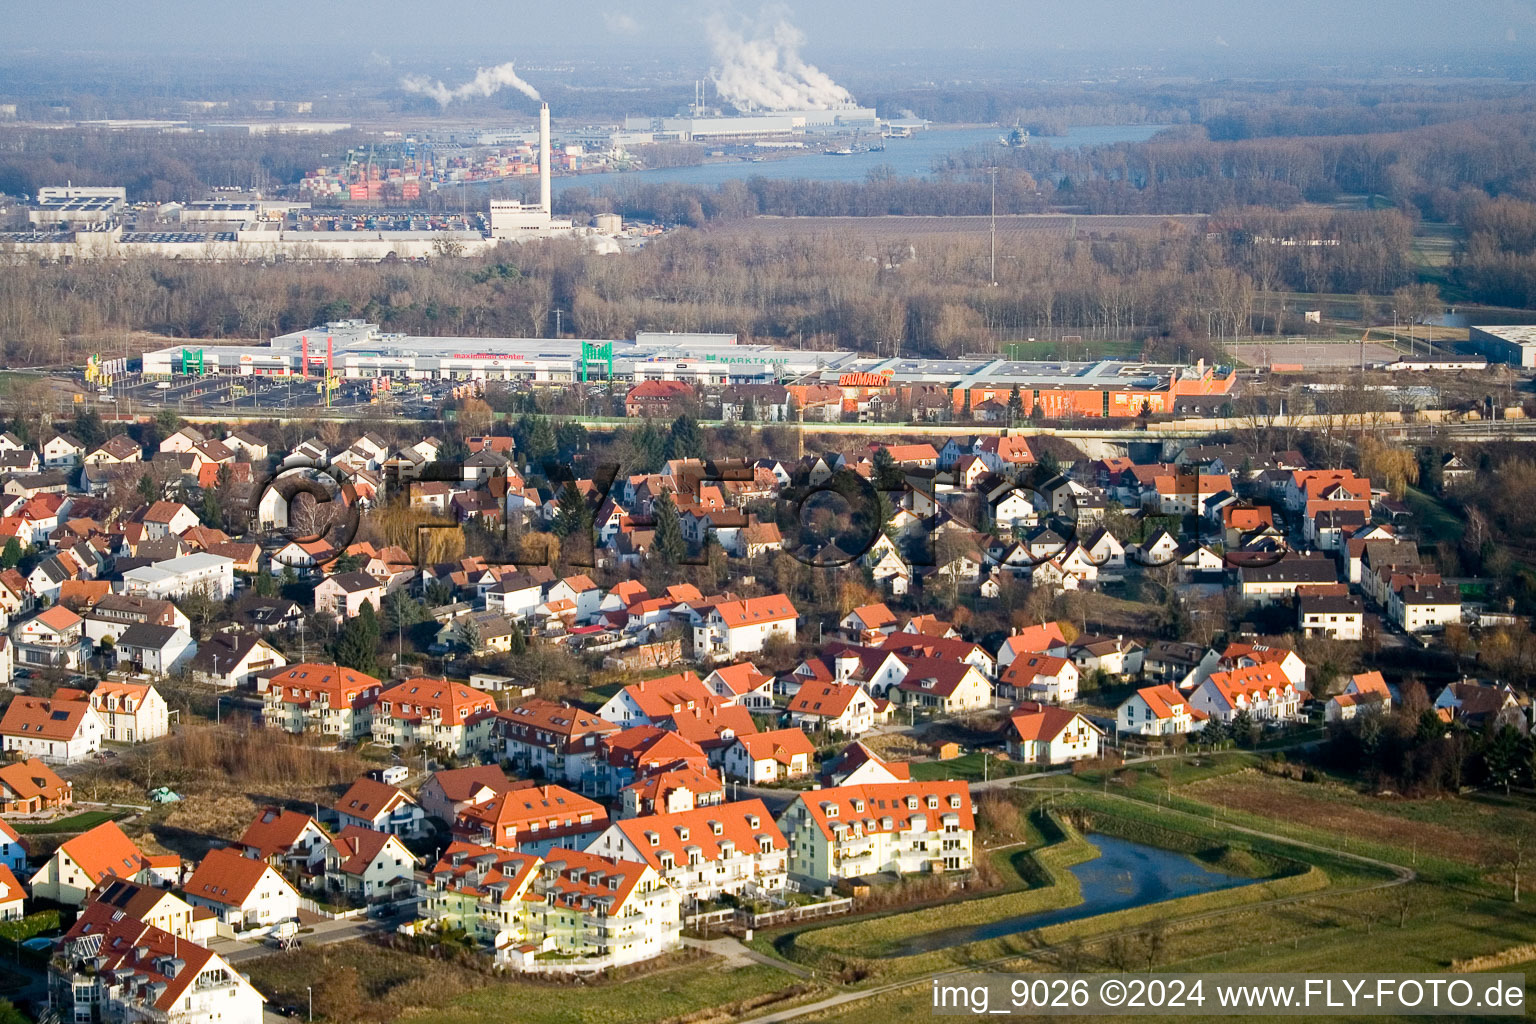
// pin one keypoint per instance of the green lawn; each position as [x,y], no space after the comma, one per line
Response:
[967,767]
[74,823]
[1435,521]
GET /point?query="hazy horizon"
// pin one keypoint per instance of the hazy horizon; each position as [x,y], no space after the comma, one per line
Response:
[398,32]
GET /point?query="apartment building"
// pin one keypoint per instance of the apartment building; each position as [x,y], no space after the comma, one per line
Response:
[327,699]
[900,827]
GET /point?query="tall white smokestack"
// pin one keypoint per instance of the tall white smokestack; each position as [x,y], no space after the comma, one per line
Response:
[544,158]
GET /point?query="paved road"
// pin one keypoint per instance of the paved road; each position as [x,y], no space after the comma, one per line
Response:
[324,933]
[1401,875]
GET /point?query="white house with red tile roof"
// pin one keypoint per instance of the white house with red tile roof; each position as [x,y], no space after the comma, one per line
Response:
[1261,691]
[368,864]
[130,712]
[742,684]
[900,827]
[942,685]
[869,619]
[326,699]
[561,740]
[290,839]
[670,791]
[1030,640]
[436,713]
[112,966]
[653,700]
[858,765]
[370,803]
[706,852]
[770,756]
[736,628]
[167,519]
[243,892]
[532,819]
[844,708]
[1365,693]
[1158,711]
[13,852]
[449,791]
[1040,677]
[1244,655]
[57,731]
[54,636]
[84,862]
[1045,734]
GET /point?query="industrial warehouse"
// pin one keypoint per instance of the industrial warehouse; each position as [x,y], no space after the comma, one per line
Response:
[841,384]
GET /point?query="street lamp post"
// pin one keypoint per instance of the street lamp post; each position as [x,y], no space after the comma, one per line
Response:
[309,991]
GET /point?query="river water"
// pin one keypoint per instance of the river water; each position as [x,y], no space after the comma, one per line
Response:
[907,158]
[1124,875]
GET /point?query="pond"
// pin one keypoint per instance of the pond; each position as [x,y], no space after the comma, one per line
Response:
[1124,875]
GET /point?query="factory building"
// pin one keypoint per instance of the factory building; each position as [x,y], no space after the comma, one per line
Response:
[81,223]
[1515,345]
[835,384]
[700,123]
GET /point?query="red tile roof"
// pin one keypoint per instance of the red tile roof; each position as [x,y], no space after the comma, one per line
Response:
[274,831]
[743,823]
[887,806]
[226,877]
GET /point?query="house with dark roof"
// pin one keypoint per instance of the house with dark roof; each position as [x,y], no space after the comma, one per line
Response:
[158,650]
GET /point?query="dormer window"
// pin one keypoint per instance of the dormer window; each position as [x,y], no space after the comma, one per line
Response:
[716,828]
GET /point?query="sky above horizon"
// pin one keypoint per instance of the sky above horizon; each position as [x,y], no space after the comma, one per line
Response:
[396,29]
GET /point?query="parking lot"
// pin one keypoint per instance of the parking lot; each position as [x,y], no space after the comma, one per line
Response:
[190,394]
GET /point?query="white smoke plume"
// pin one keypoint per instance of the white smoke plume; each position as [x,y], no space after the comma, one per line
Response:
[487,82]
[766,72]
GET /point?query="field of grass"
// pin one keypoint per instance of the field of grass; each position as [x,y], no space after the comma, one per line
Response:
[967,767]
[1478,830]
[399,985]
[1435,521]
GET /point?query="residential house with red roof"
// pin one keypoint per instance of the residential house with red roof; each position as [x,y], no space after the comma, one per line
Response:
[770,756]
[54,636]
[704,853]
[948,687]
[374,866]
[84,862]
[1040,677]
[899,827]
[868,623]
[858,765]
[664,398]
[533,819]
[242,892]
[1158,711]
[369,803]
[30,786]
[1262,692]
[484,890]
[733,629]
[57,731]
[130,712]
[286,839]
[1246,655]
[435,713]
[669,791]
[562,741]
[326,699]
[653,700]
[1365,693]
[1037,639]
[1045,734]
[450,790]
[742,684]
[112,966]
[844,708]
